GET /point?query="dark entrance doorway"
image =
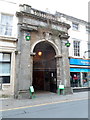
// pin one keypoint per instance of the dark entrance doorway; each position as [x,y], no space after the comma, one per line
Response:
[44,68]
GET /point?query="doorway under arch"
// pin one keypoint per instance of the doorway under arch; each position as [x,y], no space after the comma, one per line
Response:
[44,67]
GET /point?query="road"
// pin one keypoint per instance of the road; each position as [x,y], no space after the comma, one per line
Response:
[65,109]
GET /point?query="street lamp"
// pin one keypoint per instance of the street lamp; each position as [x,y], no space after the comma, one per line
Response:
[40,53]
[67,44]
[28,37]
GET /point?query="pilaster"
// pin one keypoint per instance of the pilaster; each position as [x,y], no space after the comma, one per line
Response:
[65,64]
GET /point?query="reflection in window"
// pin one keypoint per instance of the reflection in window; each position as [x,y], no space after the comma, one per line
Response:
[6,25]
[5,67]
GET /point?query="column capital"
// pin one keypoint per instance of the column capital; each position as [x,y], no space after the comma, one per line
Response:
[58,56]
[64,36]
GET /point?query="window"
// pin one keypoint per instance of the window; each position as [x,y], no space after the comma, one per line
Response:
[75,26]
[5,67]
[6,25]
[87,29]
[76,48]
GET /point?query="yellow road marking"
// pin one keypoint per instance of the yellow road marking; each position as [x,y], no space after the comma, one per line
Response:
[63,101]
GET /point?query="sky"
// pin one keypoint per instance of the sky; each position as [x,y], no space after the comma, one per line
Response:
[75,8]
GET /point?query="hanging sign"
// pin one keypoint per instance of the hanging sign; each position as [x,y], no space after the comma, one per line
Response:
[28,37]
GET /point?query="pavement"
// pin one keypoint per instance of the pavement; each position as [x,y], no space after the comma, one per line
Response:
[41,98]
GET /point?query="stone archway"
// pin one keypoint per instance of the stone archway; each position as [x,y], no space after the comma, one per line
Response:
[44,67]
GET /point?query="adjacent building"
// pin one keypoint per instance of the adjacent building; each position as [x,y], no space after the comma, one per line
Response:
[79,50]
[8,38]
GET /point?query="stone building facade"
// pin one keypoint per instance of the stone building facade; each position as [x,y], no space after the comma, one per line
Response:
[41,60]
[8,38]
[79,50]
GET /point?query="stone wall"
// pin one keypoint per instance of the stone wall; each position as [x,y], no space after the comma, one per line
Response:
[42,27]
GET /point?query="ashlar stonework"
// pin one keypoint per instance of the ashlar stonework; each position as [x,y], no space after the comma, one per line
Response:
[42,28]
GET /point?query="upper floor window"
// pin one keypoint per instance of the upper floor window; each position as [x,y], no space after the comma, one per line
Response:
[87,29]
[75,26]
[76,48]
[6,25]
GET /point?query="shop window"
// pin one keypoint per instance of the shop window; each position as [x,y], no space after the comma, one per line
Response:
[86,82]
[6,25]
[76,45]
[5,67]
[75,79]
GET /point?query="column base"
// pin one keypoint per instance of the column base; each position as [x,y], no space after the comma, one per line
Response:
[68,90]
[22,94]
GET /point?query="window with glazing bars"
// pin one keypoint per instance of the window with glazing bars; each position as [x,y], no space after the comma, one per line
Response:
[6,24]
[76,45]
[75,26]
[5,67]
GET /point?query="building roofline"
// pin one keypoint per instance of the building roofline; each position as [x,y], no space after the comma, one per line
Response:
[72,18]
[28,10]
[9,1]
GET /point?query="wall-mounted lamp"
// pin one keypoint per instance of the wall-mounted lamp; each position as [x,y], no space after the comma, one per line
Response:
[39,53]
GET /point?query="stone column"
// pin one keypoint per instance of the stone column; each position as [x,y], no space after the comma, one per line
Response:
[59,70]
[65,64]
[31,69]
[22,63]
[24,77]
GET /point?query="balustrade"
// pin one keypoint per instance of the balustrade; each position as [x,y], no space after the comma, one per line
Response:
[38,13]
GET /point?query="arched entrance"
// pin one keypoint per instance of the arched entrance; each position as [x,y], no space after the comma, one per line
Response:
[44,67]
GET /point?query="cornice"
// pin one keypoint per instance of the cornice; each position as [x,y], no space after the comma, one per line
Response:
[11,39]
[26,10]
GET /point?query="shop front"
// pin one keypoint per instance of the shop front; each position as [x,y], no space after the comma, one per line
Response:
[79,71]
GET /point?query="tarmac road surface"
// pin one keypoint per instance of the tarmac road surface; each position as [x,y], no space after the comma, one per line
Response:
[65,109]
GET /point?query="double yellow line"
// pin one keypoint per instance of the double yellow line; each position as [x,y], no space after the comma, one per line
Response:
[63,101]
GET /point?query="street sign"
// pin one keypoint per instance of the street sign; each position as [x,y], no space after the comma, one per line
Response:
[61,86]
[31,89]
[61,89]
[32,93]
